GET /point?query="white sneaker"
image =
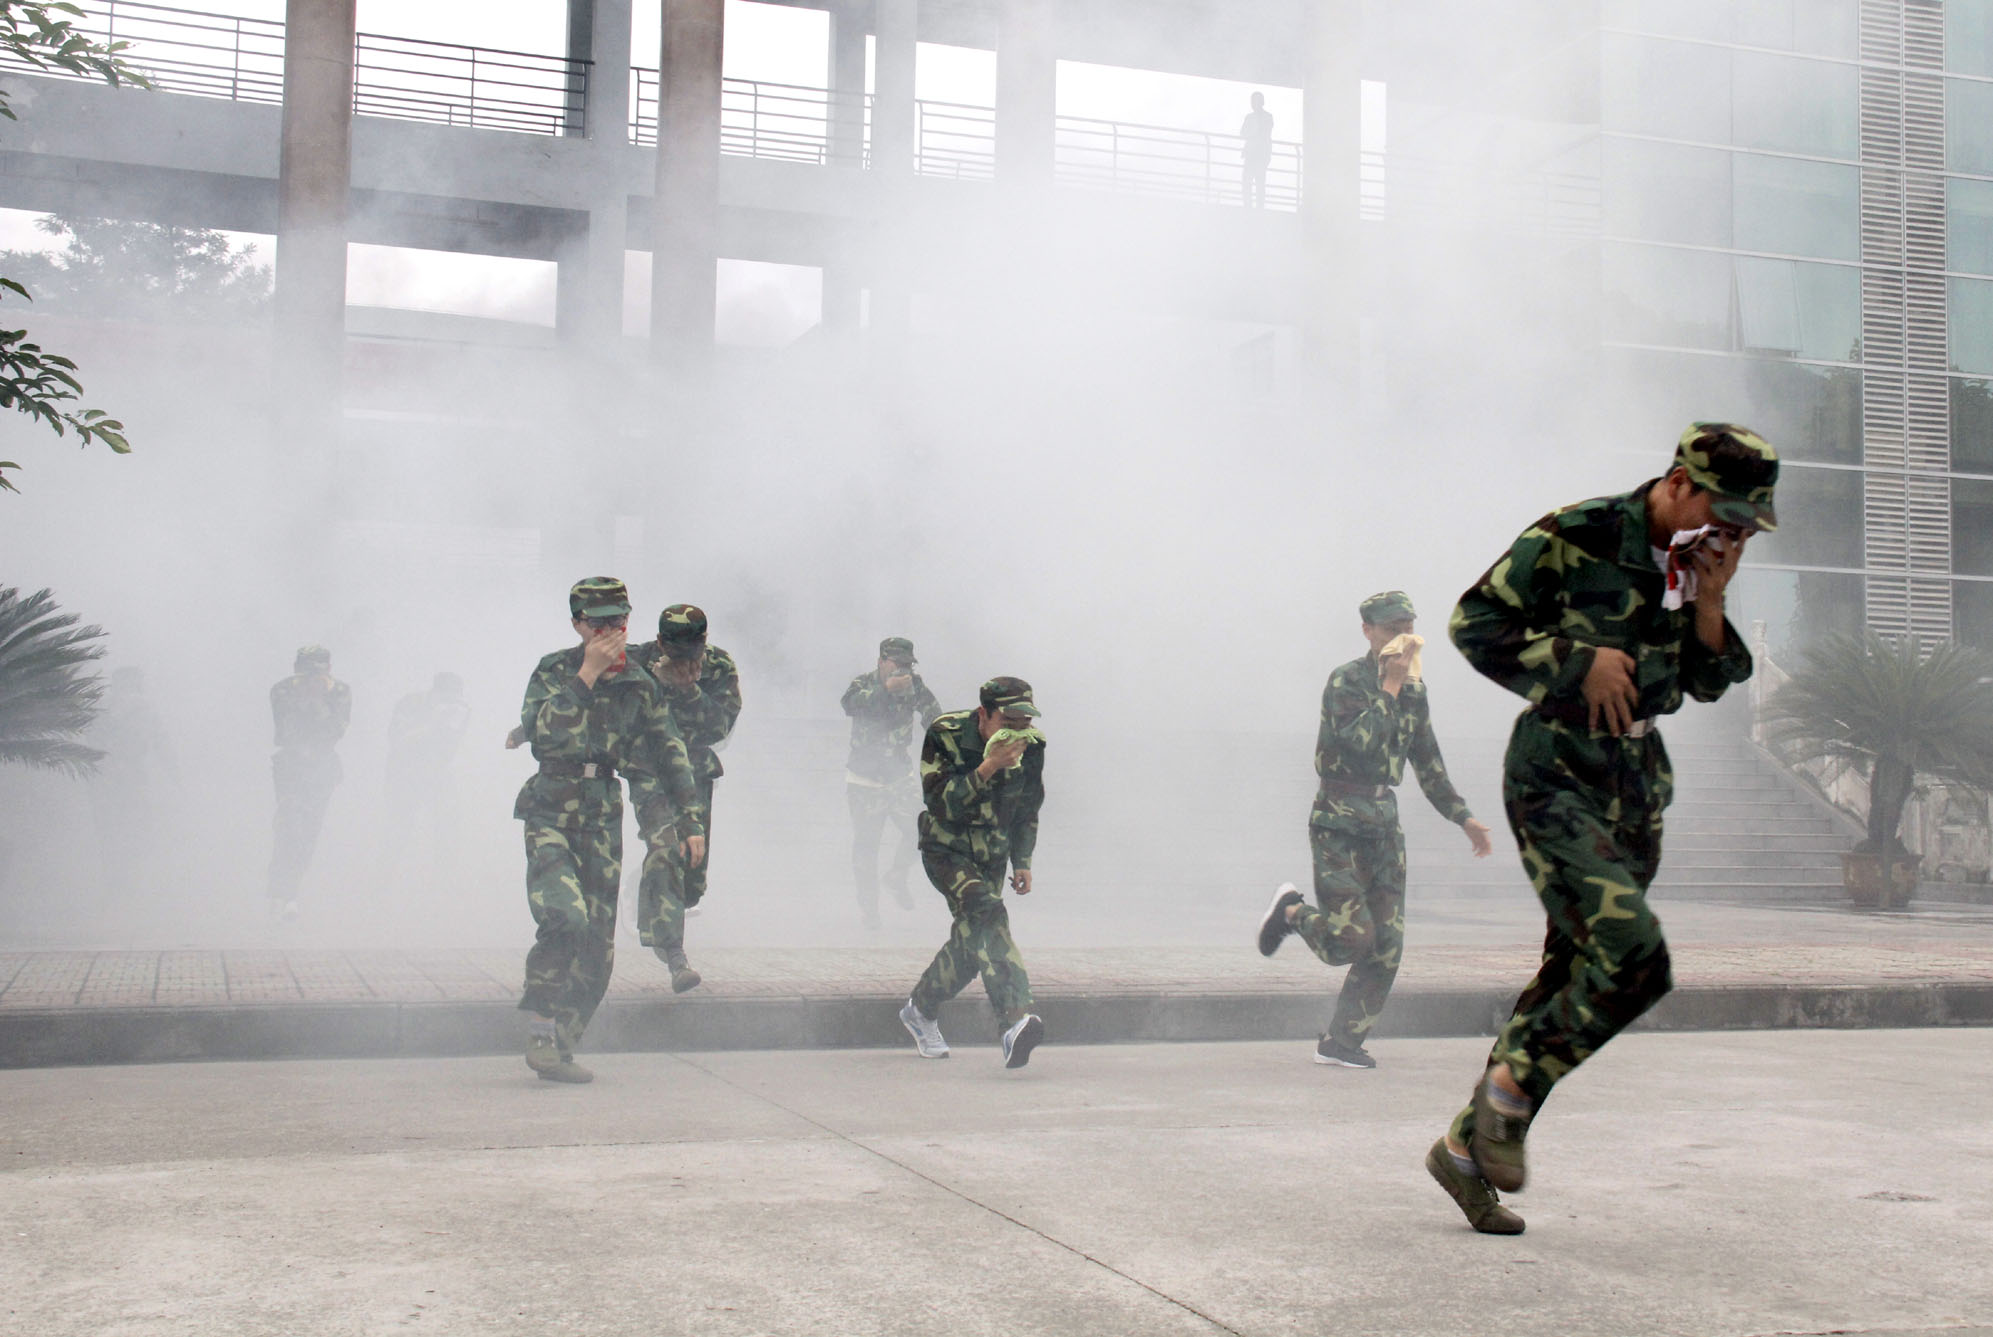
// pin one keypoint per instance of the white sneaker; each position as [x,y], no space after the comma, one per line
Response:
[1021,1039]
[926,1032]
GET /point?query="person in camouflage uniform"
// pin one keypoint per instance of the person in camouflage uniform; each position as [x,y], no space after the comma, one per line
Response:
[589,712]
[702,690]
[889,707]
[311,710]
[982,772]
[1602,615]
[1375,718]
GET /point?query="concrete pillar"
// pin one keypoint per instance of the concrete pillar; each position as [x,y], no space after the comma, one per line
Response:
[314,176]
[588,298]
[894,153]
[850,20]
[685,214]
[1026,90]
[1330,145]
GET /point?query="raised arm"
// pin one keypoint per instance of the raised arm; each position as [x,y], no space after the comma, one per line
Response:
[1509,626]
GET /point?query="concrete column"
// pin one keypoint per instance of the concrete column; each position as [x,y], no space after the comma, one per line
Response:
[588,299]
[850,20]
[1330,144]
[1026,90]
[894,152]
[685,215]
[314,176]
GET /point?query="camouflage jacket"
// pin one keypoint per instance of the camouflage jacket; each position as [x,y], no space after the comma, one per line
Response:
[1584,577]
[622,720]
[884,725]
[311,711]
[1366,737]
[704,712]
[983,820]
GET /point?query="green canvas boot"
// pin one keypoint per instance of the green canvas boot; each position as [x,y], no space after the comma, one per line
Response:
[1477,1200]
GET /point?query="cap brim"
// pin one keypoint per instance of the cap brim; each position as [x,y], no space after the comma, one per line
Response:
[1020,708]
[605,610]
[1744,514]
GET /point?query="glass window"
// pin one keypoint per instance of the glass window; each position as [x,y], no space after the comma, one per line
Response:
[1969,226]
[1667,192]
[1969,126]
[1972,424]
[1678,90]
[1795,105]
[1784,306]
[1972,612]
[1972,527]
[1797,207]
[1821,27]
[1708,19]
[1972,326]
[1657,295]
[1819,519]
[1969,36]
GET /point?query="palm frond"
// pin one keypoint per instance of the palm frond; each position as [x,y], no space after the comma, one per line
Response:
[47,693]
[1865,698]
[50,754]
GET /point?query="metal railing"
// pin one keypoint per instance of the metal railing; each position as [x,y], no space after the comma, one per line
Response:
[1199,165]
[1474,195]
[242,60]
[954,139]
[784,122]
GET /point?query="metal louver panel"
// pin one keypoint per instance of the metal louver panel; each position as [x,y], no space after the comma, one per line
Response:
[1906,420]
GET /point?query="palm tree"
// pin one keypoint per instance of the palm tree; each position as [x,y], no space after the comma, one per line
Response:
[47,698]
[1896,713]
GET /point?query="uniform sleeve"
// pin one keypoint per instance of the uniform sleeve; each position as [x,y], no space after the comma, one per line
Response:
[1430,768]
[866,695]
[948,783]
[1356,729]
[662,787]
[1706,673]
[1024,822]
[1508,625]
[554,715]
[705,711]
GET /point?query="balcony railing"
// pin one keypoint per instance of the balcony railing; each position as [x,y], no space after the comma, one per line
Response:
[785,122]
[221,56]
[1199,165]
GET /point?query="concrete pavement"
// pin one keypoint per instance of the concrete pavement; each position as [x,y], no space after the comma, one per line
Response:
[1790,1182]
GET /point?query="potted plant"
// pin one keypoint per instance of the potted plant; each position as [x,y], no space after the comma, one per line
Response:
[1894,712]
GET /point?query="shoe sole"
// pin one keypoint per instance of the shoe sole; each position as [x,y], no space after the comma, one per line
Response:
[1267,918]
[1328,1062]
[1027,1040]
[918,1047]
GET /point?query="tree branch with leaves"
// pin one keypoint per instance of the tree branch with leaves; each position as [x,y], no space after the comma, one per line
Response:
[43,385]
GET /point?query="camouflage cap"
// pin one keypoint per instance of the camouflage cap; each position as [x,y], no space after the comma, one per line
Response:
[313,654]
[1736,466]
[898,649]
[1390,606]
[598,596]
[1008,696]
[682,623]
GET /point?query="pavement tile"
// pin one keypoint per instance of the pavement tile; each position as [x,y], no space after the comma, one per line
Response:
[48,979]
[120,979]
[466,976]
[188,978]
[328,977]
[260,977]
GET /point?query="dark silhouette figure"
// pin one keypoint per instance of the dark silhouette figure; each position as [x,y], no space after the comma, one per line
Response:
[1257,132]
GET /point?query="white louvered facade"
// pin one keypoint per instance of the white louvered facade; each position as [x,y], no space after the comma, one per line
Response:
[1906,424]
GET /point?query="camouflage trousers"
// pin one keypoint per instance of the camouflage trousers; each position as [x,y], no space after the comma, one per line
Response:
[1589,826]
[1360,922]
[872,808]
[304,781]
[571,885]
[980,942]
[670,886]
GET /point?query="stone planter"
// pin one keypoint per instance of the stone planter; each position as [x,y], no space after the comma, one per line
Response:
[1876,884]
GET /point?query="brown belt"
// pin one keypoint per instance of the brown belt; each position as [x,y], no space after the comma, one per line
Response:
[1348,789]
[579,770]
[1579,714]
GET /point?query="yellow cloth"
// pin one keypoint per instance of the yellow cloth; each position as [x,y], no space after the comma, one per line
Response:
[1409,645]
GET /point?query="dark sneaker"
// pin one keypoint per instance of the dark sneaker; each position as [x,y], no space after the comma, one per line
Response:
[542,1053]
[1477,1199]
[1342,1055]
[1273,929]
[1497,1142]
[1018,1042]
